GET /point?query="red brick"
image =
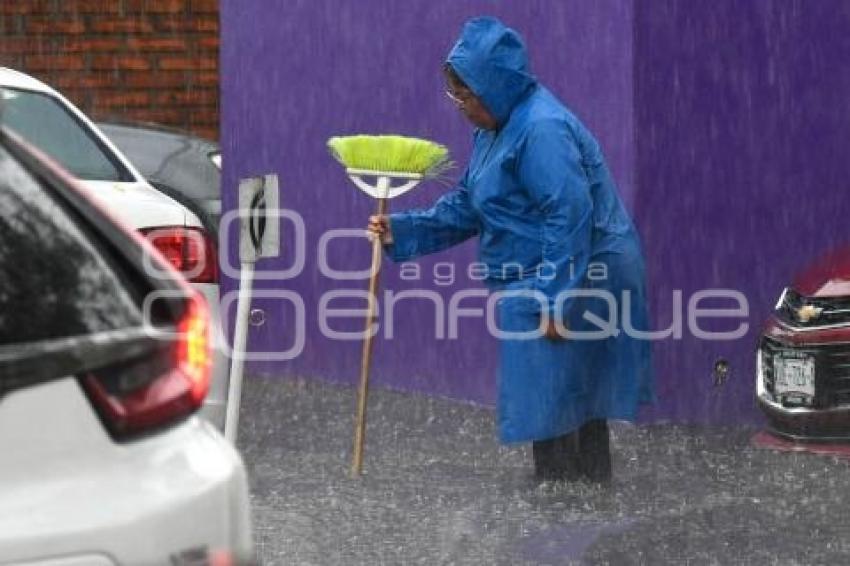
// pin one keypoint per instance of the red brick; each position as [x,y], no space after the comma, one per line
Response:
[91,45]
[155,6]
[46,25]
[120,99]
[119,44]
[205,79]
[26,6]
[58,62]
[89,6]
[204,6]
[11,25]
[81,102]
[12,61]
[158,115]
[199,119]
[123,62]
[212,42]
[193,25]
[38,44]
[206,132]
[204,117]
[155,80]
[187,64]
[188,98]
[83,80]
[121,26]
[156,44]
[78,96]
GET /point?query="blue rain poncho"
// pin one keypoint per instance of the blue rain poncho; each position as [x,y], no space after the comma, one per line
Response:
[540,198]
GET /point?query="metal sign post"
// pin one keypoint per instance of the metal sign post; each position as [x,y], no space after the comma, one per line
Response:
[259,236]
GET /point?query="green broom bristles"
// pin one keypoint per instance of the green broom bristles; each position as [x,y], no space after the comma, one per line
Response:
[391,154]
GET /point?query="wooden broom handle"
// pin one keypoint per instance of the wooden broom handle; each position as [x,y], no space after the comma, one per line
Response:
[366,359]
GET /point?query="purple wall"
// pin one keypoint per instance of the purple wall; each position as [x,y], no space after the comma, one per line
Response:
[296,73]
[725,123]
[742,129]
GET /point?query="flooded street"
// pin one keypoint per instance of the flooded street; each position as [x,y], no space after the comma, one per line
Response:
[438,489]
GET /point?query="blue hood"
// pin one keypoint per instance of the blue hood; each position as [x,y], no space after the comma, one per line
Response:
[491,59]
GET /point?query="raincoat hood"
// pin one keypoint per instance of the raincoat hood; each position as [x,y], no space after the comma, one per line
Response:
[492,60]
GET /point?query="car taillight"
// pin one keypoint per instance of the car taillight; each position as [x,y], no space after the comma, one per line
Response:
[193,348]
[190,250]
[141,395]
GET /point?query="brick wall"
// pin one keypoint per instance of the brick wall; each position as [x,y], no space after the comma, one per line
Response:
[141,60]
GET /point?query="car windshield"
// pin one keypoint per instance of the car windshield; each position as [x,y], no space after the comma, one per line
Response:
[46,123]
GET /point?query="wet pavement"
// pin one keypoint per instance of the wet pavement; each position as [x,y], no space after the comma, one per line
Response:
[438,489]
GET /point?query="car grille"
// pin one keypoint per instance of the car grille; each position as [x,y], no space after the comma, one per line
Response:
[812,312]
[832,371]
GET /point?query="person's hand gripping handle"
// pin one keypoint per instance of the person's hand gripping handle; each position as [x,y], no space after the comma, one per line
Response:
[379,227]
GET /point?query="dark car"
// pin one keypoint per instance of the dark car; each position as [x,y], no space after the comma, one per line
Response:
[185,167]
[104,361]
[803,381]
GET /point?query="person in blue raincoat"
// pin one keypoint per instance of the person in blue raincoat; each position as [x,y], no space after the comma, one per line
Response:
[557,243]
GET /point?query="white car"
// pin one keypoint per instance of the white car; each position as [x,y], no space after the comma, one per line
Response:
[104,461]
[48,121]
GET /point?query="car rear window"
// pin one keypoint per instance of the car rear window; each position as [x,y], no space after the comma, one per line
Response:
[55,281]
[180,162]
[47,124]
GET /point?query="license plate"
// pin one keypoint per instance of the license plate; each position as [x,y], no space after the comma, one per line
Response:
[795,376]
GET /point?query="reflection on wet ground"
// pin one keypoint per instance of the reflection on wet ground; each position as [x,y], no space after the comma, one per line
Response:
[438,489]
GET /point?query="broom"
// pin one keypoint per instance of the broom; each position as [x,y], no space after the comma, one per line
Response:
[385,159]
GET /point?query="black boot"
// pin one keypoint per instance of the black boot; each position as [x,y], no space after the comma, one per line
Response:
[557,458]
[594,447]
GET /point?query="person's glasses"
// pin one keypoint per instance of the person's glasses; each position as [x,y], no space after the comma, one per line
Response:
[461,98]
